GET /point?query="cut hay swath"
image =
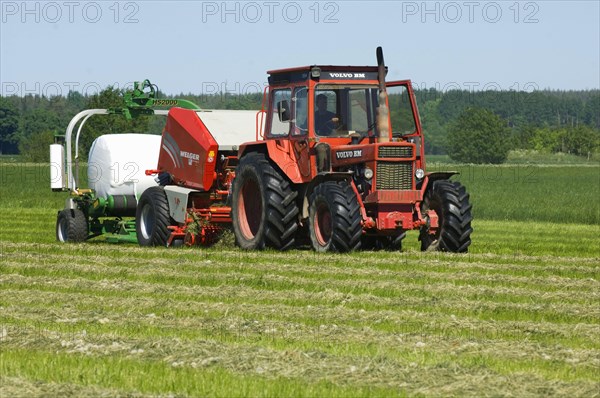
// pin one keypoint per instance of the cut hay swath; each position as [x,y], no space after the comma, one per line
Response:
[518,316]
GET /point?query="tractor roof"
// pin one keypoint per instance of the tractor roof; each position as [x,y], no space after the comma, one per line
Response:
[328,72]
[351,68]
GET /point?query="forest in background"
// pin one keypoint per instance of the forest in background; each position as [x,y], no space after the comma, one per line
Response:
[549,121]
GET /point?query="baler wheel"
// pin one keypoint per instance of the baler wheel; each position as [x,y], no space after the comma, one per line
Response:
[334,218]
[264,209]
[71,226]
[152,218]
[450,201]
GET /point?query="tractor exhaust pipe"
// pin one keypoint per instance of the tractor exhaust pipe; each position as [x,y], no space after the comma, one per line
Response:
[383,113]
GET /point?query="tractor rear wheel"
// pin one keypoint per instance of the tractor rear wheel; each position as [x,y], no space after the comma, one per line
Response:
[334,218]
[264,209]
[450,201]
[71,226]
[152,218]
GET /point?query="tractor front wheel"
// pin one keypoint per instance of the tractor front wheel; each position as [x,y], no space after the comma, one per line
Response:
[450,201]
[71,226]
[334,218]
[264,209]
[152,218]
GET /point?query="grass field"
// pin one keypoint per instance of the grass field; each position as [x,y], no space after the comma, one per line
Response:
[517,316]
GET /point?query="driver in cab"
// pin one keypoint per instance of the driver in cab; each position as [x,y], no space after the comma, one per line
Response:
[323,118]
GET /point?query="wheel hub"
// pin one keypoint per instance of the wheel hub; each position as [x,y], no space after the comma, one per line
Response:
[250,209]
[323,224]
[147,222]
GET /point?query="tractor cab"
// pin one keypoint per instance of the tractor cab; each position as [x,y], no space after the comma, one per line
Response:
[320,102]
[326,119]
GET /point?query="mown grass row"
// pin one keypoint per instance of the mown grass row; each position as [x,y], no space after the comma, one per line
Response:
[387,315]
[120,376]
[342,325]
[510,238]
[561,194]
[518,315]
[491,302]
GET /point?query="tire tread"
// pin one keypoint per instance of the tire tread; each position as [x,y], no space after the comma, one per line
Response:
[281,213]
[456,217]
[77,225]
[155,197]
[346,216]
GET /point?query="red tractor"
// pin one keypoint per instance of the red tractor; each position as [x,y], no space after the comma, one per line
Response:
[338,161]
[324,166]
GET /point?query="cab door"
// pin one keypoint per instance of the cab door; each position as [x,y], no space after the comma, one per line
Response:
[299,148]
[403,109]
[404,114]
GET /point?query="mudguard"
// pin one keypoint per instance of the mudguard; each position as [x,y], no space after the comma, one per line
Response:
[441,175]
[278,151]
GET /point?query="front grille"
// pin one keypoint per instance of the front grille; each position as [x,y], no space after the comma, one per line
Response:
[403,152]
[394,175]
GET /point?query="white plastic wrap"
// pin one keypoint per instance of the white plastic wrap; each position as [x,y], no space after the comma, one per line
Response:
[57,169]
[117,164]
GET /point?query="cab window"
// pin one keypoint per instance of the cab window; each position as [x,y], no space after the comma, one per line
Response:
[281,102]
[345,109]
[403,121]
[300,106]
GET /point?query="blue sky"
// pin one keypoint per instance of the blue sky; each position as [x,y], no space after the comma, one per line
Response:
[202,47]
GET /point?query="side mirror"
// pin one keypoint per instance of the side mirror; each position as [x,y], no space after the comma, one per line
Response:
[283,110]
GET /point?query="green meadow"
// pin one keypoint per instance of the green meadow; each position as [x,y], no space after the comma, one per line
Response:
[519,315]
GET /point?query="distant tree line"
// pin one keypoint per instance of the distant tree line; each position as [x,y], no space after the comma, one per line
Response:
[28,124]
[546,121]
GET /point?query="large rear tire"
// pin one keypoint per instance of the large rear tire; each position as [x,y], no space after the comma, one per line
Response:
[264,209]
[71,226]
[152,218]
[450,201]
[334,218]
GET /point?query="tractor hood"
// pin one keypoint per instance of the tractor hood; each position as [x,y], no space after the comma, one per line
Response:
[345,155]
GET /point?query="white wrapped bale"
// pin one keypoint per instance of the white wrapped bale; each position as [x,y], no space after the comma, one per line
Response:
[117,164]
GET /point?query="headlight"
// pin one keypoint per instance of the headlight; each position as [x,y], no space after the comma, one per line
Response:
[419,173]
[368,173]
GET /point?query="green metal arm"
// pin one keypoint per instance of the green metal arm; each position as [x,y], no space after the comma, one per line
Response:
[143,101]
